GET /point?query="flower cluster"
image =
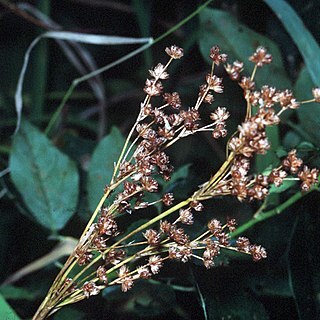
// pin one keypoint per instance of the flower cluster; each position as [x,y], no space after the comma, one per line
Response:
[144,160]
[251,138]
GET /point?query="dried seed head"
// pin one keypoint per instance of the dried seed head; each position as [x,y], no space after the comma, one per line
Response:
[220,115]
[165,226]
[208,98]
[124,278]
[83,257]
[153,87]
[287,100]
[261,57]
[186,216]
[212,250]
[231,224]
[292,162]
[152,236]
[144,272]
[115,256]
[234,70]
[167,199]
[276,177]
[174,52]
[215,227]
[90,289]
[155,263]
[196,205]
[149,184]
[106,224]
[159,72]
[178,235]
[247,84]
[216,56]
[316,94]
[173,99]
[243,244]
[102,274]
[268,96]
[224,239]
[181,253]
[214,83]
[308,178]
[257,252]
[190,118]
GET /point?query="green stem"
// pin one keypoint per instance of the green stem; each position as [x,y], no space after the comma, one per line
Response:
[135,231]
[40,66]
[264,215]
[59,109]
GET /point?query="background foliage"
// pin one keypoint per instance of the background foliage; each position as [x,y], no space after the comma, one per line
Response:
[52,179]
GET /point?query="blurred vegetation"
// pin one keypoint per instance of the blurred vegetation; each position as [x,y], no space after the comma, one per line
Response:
[100,112]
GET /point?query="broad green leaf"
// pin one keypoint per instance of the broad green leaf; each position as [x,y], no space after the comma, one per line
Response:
[6,312]
[101,165]
[304,264]
[301,36]
[239,42]
[46,178]
[291,140]
[309,114]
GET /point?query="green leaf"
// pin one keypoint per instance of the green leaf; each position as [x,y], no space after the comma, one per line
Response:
[301,36]
[239,42]
[16,293]
[291,140]
[287,184]
[304,264]
[6,312]
[46,178]
[309,114]
[101,166]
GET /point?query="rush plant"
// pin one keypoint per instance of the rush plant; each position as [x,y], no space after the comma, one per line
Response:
[106,256]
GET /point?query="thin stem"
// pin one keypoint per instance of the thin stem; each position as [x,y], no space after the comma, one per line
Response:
[128,140]
[307,101]
[264,215]
[142,227]
[253,72]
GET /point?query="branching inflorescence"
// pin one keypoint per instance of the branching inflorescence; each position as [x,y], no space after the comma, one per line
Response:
[102,249]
